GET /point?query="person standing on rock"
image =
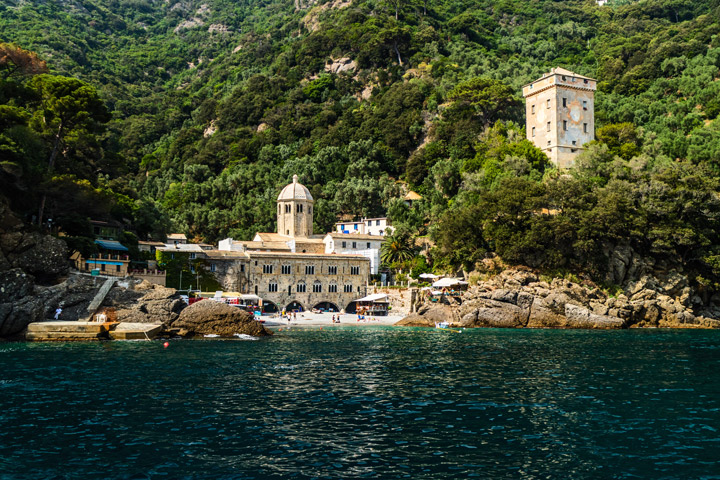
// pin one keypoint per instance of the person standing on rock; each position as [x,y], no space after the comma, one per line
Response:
[58,311]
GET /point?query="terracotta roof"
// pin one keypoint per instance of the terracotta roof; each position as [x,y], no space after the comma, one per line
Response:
[345,256]
[176,236]
[412,196]
[224,254]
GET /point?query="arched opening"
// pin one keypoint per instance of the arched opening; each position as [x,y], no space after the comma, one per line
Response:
[327,307]
[351,307]
[294,307]
[269,307]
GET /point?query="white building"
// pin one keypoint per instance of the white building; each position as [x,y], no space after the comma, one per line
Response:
[367,226]
[355,244]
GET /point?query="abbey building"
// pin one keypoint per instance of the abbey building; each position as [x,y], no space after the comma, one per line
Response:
[294,268]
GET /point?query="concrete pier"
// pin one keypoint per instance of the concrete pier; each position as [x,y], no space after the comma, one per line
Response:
[60,331]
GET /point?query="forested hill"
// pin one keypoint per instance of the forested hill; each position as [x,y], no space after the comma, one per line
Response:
[209,107]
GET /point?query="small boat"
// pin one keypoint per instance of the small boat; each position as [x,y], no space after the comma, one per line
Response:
[442,325]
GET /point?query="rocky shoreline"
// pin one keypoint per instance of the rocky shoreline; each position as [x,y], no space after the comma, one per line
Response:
[517,298]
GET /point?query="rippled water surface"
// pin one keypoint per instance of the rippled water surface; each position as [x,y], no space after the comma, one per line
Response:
[366,403]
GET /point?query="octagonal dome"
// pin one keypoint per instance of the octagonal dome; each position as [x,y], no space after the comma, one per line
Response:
[295,191]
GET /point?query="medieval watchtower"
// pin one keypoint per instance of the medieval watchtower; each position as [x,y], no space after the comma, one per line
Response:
[295,210]
[560,114]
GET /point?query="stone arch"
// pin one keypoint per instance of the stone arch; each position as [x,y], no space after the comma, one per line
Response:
[294,305]
[351,307]
[327,306]
[269,306]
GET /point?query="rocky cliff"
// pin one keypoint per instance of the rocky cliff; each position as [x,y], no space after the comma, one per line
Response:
[517,298]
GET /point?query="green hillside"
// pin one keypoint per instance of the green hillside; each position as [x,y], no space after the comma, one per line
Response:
[211,106]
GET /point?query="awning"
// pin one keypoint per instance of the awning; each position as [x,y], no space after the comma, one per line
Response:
[429,275]
[448,282]
[111,245]
[376,297]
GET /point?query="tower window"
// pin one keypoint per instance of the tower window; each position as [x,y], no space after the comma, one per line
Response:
[267,269]
[332,270]
[548,126]
[273,287]
[368,244]
[574,142]
[533,131]
[286,269]
[354,270]
[564,102]
[584,104]
[332,288]
[565,125]
[548,143]
[347,288]
[317,287]
[301,287]
[585,129]
[532,109]
[309,269]
[354,244]
[548,103]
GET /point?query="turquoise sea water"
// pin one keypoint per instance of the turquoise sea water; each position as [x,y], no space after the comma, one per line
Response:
[367,403]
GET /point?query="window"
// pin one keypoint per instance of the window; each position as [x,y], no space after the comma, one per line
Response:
[256,289]
[585,129]
[533,131]
[192,269]
[548,103]
[212,267]
[585,80]
[584,104]
[310,210]
[117,268]
[172,256]
[564,102]
[288,208]
[286,269]
[301,287]
[354,244]
[369,223]
[273,287]
[354,270]
[368,244]
[377,223]
[548,126]
[381,232]
[344,244]
[332,270]
[564,78]
[565,125]
[355,226]
[289,289]
[102,267]
[309,269]
[574,142]
[532,109]
[548,143]
[267,269]
[242,267]
[332,288]
[347,288]
[317,287]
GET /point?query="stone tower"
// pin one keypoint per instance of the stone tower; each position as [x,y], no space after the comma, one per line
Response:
[560,114]
[295,210]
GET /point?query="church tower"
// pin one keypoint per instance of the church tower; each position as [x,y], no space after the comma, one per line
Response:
[560,114]
[295,210]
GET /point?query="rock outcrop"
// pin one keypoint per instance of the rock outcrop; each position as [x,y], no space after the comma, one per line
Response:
[214,318]
[144,303]
[517,298]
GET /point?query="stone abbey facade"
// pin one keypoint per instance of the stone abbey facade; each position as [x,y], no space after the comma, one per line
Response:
[290,269]
[560,114]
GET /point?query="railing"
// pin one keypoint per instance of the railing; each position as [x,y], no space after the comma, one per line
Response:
[108,256]
[146,271]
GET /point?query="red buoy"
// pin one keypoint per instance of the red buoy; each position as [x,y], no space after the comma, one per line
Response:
[166,344]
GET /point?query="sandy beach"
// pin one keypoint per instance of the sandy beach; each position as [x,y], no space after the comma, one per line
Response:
[309,319]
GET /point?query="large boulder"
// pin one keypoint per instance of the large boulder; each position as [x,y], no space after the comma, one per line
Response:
[42,256]
[145,303]
[214,318]
[415,320]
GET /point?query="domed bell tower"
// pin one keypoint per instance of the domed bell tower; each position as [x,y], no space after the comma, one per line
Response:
[295,210]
